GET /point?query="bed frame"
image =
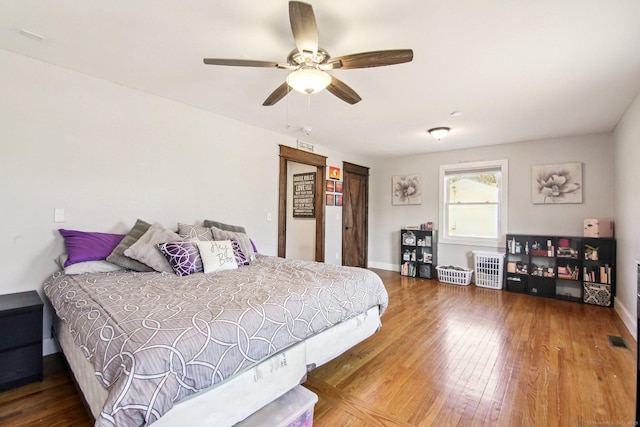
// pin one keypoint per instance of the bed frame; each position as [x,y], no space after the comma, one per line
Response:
[233,400]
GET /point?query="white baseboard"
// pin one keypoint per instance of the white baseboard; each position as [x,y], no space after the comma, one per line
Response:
[384,266]
[626,317]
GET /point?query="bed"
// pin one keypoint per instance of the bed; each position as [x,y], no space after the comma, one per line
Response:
[207,349]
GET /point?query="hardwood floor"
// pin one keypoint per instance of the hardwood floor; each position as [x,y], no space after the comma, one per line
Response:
[446,355]
[450,355]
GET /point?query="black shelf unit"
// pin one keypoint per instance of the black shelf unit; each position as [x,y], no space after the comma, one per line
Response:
[517,264]
[418,253]
[599,273]
[580,269]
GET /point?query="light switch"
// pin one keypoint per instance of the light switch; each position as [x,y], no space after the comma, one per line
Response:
[268,216]
[58,215]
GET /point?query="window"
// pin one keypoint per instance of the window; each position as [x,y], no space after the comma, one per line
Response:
[473,203]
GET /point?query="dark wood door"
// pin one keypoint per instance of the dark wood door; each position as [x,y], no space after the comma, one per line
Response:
[355,219]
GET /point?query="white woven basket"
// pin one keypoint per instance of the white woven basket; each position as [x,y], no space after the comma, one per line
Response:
[454,276]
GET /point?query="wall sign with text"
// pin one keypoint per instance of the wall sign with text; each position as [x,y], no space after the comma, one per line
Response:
[304,195]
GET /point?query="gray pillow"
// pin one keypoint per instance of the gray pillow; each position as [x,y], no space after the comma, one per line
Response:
[223,226]
[194,232]
[99,266]
[146,249]
[242,238]
[118,257]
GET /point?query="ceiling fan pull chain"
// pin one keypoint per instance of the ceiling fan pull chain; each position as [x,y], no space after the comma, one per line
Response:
[288,124]
[308,127]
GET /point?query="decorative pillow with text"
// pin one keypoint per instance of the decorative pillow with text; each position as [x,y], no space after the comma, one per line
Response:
[217,255]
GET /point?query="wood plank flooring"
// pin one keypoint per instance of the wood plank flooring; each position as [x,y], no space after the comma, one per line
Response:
[446,355]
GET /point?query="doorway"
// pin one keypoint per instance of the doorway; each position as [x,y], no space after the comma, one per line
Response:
[288,154]
[355,215]
[301,218]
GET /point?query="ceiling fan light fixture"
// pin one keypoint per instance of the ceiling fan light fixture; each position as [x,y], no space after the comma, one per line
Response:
[308,80]
[439,132]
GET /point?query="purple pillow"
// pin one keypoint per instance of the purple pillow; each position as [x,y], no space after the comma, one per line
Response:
[184,257]
[241,258]
[88,246]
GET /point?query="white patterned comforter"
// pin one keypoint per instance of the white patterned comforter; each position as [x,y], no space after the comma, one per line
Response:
[155,338]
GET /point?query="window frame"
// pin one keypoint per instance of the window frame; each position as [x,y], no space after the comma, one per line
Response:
[471,167]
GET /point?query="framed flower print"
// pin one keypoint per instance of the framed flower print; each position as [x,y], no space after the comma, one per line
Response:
[553,184]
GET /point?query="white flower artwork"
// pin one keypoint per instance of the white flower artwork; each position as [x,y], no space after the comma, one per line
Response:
[561,183]
[407,190]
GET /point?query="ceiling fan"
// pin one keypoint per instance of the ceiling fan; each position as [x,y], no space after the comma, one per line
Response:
[309,63]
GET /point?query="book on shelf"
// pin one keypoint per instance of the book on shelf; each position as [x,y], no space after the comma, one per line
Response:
[408,269]
[568,272]
[601,274]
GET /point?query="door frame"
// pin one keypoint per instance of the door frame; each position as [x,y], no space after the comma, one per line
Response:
[320,162]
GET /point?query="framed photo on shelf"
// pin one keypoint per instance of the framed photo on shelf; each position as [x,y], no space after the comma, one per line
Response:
[338,199]
[338,186]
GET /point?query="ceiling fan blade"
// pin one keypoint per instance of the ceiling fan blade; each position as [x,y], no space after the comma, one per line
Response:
[277,94]
[304,28]
[378,58]
[342,91]
[241,62]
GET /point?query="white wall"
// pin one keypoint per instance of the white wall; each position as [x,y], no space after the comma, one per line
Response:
[594,151]
[108,155]
[301,232]
[627,212]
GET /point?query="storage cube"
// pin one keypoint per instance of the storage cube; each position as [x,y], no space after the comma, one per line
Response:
[294,408]
[517,284]
[543,286]
[598,228]
[597,294]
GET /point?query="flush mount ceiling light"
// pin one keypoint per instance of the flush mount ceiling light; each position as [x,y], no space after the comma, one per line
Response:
[439,133]
[308,80]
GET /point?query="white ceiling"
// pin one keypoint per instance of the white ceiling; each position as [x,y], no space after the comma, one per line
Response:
[517,69]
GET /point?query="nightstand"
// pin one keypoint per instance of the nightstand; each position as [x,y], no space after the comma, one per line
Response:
[20,339]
